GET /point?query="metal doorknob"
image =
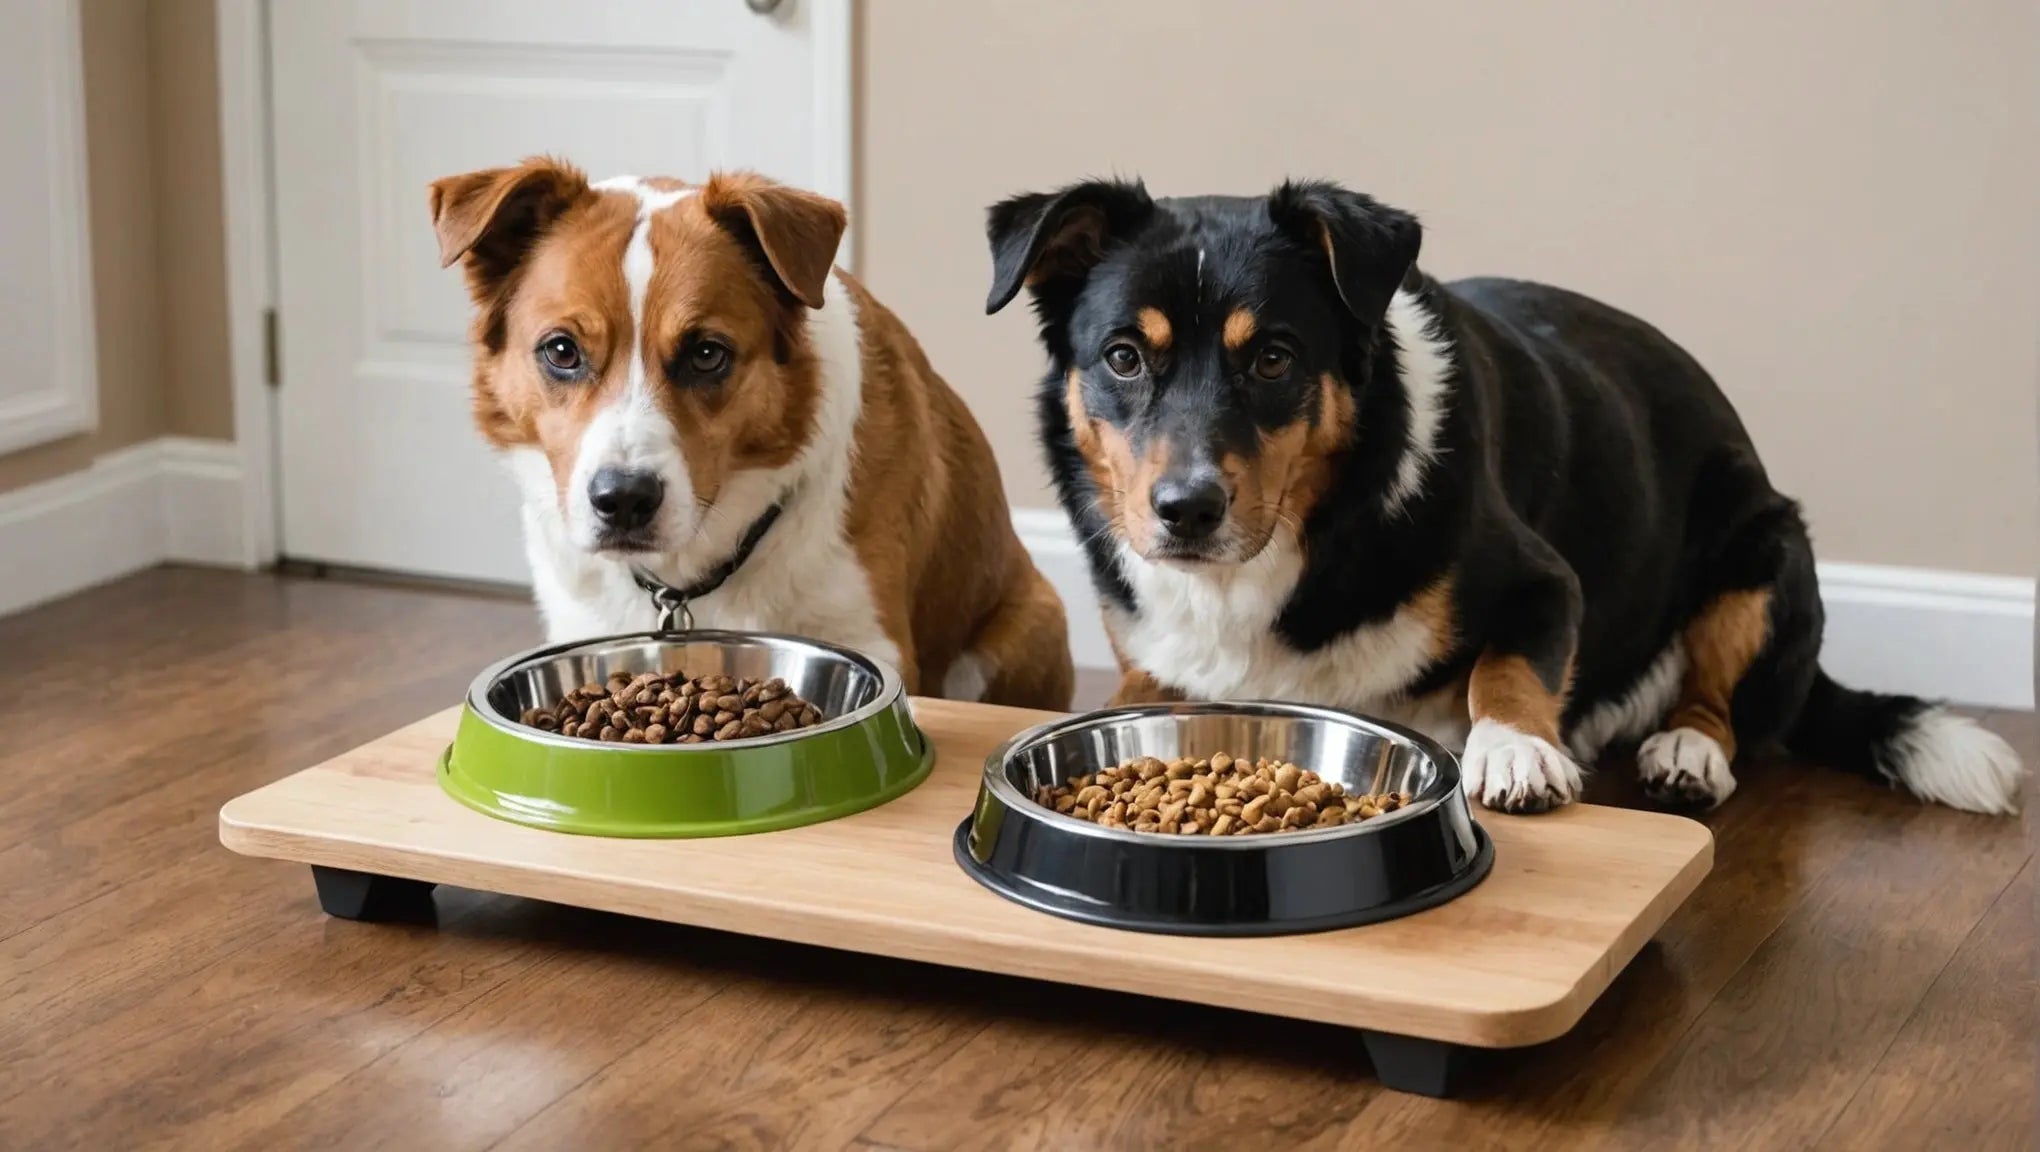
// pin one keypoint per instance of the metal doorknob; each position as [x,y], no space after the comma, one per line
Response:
[763,7]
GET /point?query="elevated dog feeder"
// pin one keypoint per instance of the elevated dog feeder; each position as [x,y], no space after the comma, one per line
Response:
[1515,960]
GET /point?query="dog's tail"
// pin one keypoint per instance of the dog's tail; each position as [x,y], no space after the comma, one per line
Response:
[1932,752]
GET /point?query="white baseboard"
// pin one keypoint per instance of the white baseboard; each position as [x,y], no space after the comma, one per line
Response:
[79,530]
[169,499]
[1958,636]
[201,482]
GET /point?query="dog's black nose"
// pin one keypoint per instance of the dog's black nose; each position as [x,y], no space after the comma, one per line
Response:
[624,498]
[1190,507]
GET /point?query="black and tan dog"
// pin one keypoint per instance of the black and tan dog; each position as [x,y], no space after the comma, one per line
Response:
[1506,514]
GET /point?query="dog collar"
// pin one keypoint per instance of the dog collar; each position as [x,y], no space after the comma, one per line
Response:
[674,615]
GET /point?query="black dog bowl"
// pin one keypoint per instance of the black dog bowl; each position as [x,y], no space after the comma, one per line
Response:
[1414,858]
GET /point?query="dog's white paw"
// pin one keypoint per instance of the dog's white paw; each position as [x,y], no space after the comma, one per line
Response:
[1684,768]
[1512,771]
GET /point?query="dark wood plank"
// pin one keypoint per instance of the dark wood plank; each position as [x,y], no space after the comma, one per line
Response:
[1960,1072]
[557,995]
[802,1049]
[121,914]
[1063,1070]
[249,1034]
[1786,1044]
[160,802]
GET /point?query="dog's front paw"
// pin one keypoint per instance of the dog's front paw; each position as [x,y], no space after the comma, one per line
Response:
[1512,771]
[1684,768]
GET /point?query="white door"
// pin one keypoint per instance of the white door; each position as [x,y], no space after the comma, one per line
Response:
[380,464]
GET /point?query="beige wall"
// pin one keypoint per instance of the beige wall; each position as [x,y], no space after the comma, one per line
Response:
[1831,204]
[191,247]
[158,270]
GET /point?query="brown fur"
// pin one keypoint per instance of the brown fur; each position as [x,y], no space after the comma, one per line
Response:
[486,220]
[1136,686]
[1508,690]
[1721,643]
[927,515]
[1434,606]
[798,231]
[1125,480]
[938,522]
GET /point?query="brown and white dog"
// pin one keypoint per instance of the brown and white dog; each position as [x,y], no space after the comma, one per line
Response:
[683,384]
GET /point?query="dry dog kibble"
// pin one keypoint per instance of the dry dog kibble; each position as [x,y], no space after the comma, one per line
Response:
[657,708]
[1219,796]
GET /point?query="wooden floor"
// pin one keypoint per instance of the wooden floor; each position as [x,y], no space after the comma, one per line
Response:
[1857,973]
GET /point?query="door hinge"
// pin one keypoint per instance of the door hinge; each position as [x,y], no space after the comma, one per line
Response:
[272,353]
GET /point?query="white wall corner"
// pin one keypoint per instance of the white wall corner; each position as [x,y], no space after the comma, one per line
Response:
[1958,636]
[171,499]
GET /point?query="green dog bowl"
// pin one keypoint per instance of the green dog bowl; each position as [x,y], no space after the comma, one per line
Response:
[865,751]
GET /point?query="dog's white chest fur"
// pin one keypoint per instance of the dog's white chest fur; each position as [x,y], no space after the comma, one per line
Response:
[1212,636]
[804,576]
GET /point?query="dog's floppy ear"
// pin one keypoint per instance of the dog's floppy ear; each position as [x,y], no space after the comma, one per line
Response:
[491,217]
[1371,246]
[1042,236]
[797,231]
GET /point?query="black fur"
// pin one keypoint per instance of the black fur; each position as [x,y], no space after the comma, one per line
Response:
[1593,488]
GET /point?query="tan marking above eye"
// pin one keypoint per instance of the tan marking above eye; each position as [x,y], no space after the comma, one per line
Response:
[1154,327]
[1239,328]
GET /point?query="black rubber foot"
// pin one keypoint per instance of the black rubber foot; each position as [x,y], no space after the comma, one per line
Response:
[1412,1064]
[366,896]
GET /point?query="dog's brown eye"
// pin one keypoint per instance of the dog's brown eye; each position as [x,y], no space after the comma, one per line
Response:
[1123,359]
[707,357]
[560,354]
[1274,362]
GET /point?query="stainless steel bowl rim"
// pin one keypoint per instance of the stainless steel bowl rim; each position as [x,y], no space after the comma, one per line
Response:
[1445,784]
[889,689]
